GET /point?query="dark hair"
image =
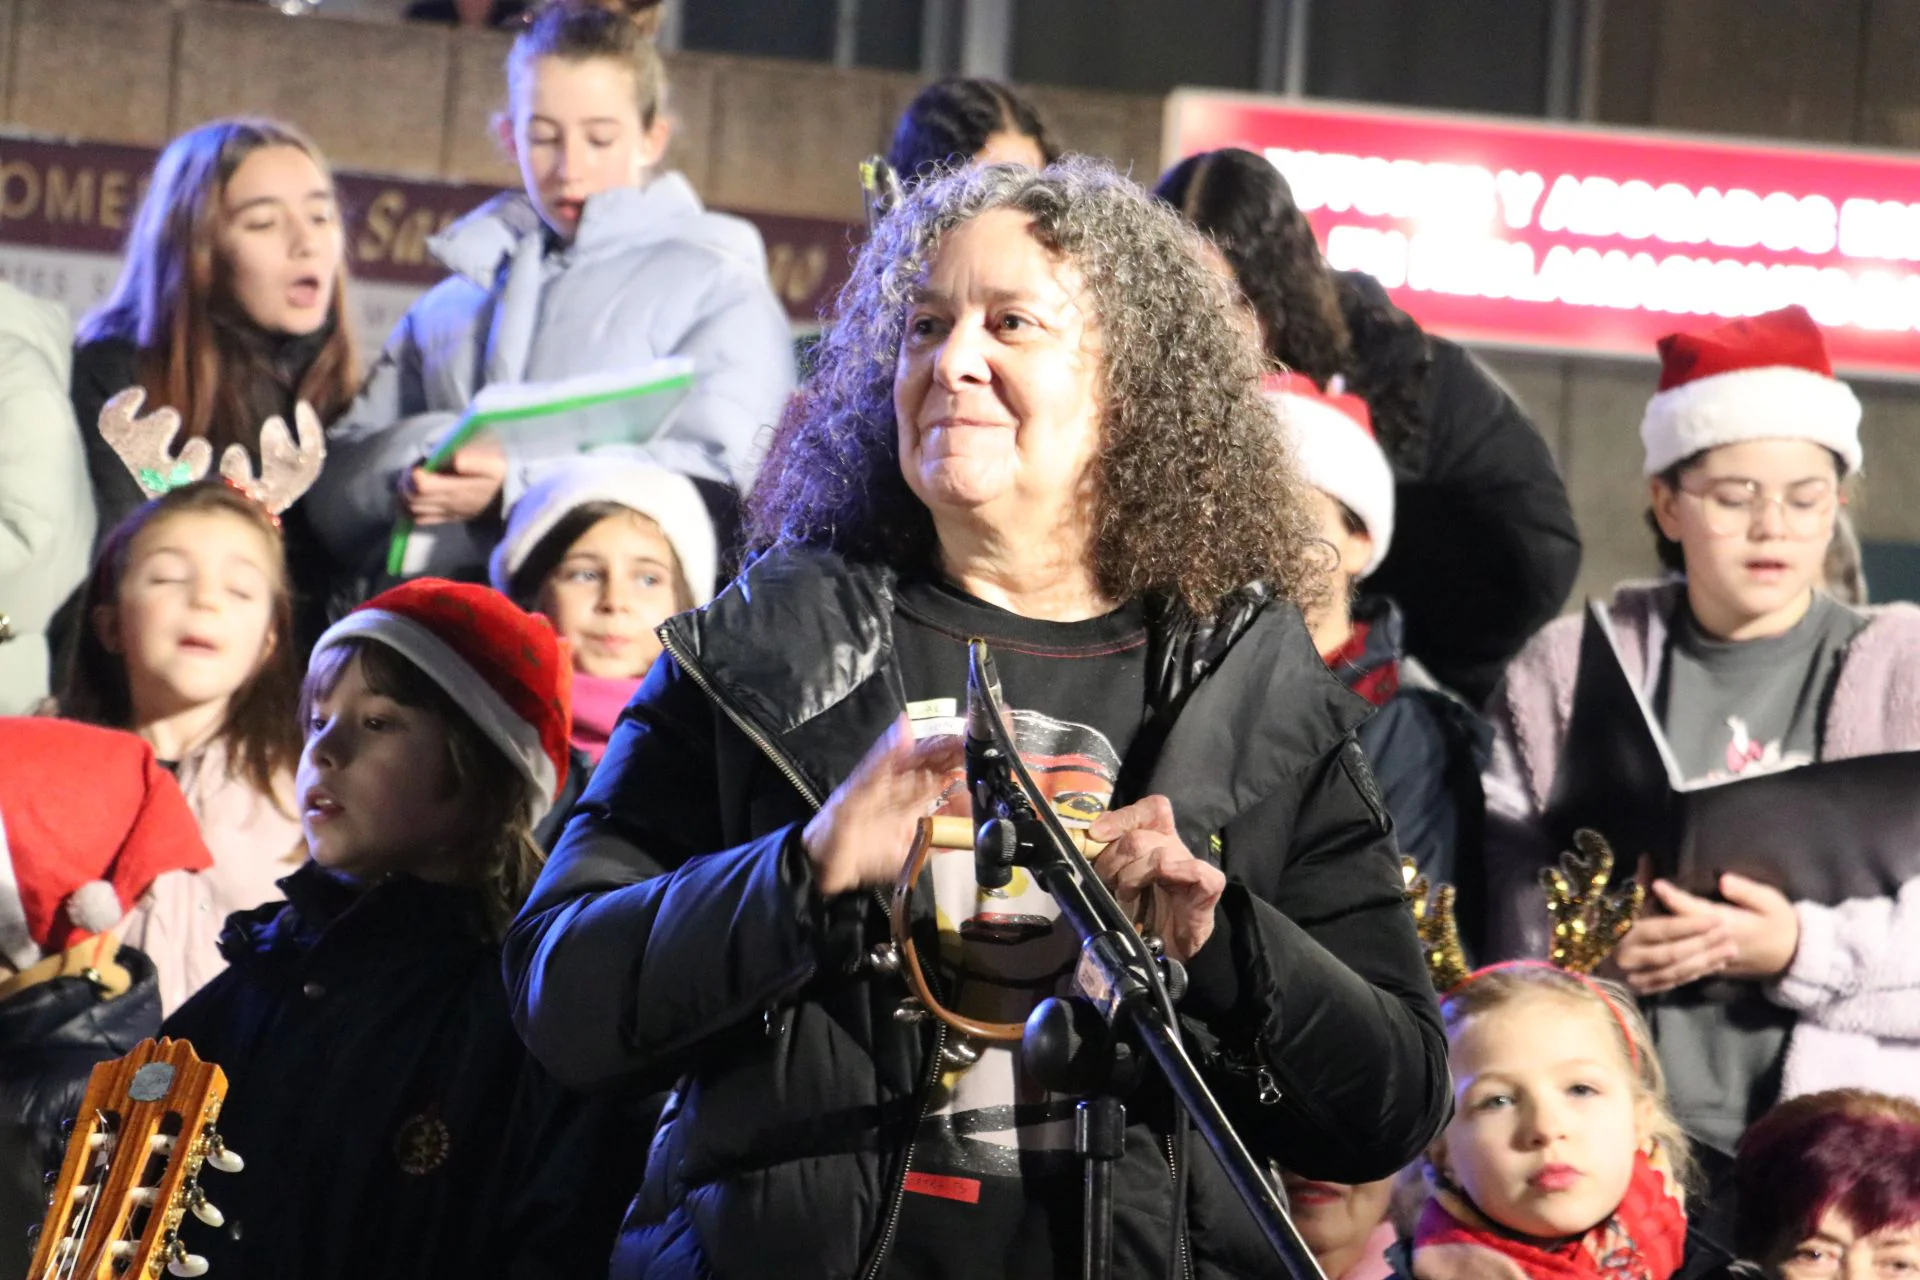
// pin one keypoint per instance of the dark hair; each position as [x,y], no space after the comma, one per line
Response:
[1244,205]
[948,122]
[498,796]
[261,731]
[197,352]
[1193,491]
[583,30]
[524,587]
[1855,1152]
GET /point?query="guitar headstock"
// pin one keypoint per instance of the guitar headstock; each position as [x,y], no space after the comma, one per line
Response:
[132,1169]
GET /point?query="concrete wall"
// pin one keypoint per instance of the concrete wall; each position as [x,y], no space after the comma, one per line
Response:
[785,137]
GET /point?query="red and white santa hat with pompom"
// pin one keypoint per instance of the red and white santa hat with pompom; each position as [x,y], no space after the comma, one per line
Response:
[1763,377]
[1332,436]
[88,820]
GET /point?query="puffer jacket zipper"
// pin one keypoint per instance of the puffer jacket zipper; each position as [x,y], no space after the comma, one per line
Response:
[1173,1171]
[787,768]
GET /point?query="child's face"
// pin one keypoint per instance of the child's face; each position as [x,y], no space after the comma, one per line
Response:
[1835,1251]
[1336,1218]
[613,587]
[1546,1118]
[280,240]
[194,619]
[576,132]
[1351,550]
[1748,562]
[376,785]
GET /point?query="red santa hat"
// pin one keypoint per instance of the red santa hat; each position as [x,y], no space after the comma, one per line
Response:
[88,820]
[1760,378]
[505,667]
[1332,438]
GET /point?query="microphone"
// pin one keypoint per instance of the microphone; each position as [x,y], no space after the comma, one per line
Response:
[996,843]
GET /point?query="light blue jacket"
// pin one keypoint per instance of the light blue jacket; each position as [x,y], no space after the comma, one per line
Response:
[650,273]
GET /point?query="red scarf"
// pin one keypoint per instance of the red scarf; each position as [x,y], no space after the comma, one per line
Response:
[1375,684]
[1644,1239]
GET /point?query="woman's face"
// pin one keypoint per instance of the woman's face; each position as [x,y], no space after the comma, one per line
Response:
[996,392]
[194,620]
[1754,520]
[1836,1251]
[617,582]
[279,240]
[1546,1119]
[1335,1218]
[576,132]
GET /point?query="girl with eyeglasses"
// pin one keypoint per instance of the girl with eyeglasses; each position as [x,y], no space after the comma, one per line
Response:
[1750,666]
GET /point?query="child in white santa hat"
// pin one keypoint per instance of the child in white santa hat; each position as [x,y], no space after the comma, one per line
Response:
[1750,444]
[607,549]
[1426,748]
[88,820]
[363,1023]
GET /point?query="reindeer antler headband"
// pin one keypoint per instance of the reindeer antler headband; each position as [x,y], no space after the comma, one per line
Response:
[1588,923]
[287,469]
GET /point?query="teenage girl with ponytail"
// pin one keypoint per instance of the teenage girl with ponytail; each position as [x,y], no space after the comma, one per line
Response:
[604,263]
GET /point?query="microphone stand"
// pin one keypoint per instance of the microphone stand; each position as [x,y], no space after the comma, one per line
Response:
[1074,1045]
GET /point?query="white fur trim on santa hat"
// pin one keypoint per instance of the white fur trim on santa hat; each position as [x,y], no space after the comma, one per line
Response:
[1775,402]
[1340,457]
[16,935]
[665,497]
[446,668]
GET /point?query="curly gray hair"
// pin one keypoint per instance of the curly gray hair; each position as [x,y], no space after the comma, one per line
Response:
[1194,493]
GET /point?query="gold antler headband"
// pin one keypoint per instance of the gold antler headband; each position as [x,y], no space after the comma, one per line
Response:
[287,469]
[1588,920]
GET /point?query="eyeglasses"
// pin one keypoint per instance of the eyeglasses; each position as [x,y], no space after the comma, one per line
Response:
[1733,506]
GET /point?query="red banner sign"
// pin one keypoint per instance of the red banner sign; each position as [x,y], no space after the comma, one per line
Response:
[1590,240]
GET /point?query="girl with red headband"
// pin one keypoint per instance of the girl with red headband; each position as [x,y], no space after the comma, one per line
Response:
[1562,1159]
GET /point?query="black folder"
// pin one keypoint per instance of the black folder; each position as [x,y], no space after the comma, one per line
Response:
[1822,832]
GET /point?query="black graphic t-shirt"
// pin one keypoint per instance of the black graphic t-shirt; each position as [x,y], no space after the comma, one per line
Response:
[993,1188]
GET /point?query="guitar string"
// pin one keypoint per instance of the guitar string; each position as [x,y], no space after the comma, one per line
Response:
[69,1262]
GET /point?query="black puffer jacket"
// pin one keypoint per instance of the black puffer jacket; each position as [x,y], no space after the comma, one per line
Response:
[392,1122]
[51,1036]
[1485,548]
[677,936]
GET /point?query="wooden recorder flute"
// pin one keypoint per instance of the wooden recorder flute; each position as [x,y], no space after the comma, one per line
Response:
[957,833]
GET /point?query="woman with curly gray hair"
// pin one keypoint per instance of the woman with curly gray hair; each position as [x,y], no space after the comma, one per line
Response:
[1036,421]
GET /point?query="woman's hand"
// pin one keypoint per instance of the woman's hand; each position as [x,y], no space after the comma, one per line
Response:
[449,497]
[1753,935]
[1145,853]
[862,834]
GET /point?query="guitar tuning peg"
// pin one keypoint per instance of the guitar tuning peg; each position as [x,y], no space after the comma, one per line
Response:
[204,1209]
[182,1263]
[220,1158]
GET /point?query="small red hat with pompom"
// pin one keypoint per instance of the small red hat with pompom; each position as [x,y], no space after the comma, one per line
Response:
[504,666]
[88,820]
[1763,377]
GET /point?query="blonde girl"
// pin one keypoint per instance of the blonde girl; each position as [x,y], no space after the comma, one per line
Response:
[1562,1159]
[603,263]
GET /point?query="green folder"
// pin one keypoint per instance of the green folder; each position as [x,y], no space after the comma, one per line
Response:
[555,419]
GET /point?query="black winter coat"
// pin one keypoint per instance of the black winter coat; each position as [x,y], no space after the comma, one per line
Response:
[392,1123]
[1485,548]
[677,938]
[51,1036]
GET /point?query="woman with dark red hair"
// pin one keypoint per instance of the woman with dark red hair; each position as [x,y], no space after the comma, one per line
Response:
[1829,1185]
